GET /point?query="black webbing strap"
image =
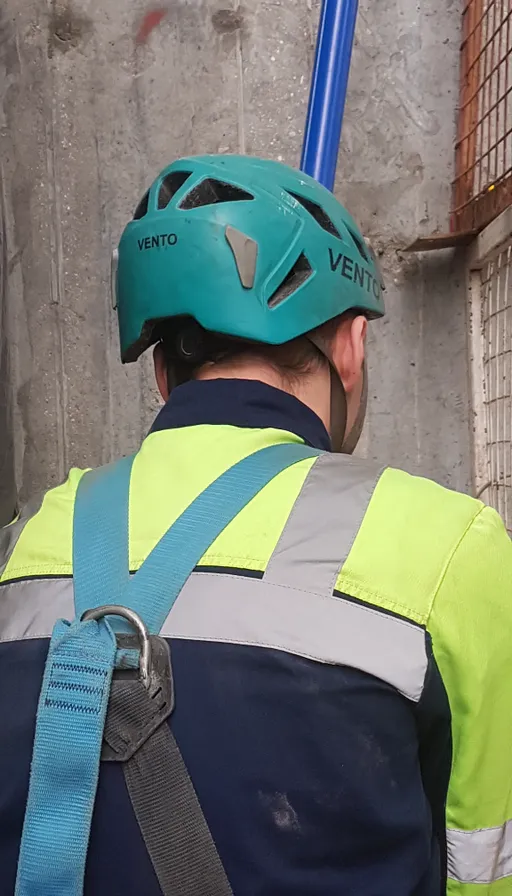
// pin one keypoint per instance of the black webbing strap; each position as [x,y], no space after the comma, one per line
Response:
[174,828]
[169,814]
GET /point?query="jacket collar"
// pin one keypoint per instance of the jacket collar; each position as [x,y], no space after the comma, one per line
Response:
[245,403]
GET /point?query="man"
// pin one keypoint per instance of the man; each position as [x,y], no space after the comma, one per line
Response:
[341,653]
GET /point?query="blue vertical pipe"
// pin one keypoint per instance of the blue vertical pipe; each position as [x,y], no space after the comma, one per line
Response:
[329,89]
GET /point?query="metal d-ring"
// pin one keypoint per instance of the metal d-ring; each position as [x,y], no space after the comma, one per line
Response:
[139,626]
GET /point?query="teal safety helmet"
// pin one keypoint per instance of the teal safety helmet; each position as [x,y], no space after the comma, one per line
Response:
[248,248]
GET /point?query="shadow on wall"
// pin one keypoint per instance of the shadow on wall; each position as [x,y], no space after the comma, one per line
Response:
[7,479]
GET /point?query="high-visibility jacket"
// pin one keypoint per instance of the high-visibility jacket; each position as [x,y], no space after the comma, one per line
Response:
[342,658]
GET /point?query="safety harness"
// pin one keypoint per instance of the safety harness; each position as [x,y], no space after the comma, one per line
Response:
[108,692]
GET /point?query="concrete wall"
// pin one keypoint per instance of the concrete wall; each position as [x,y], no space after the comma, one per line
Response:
[86,120]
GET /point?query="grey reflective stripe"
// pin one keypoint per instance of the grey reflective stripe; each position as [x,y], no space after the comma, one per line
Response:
[323,524]
[9,535]
[480,857]
[241,610]
[30,608]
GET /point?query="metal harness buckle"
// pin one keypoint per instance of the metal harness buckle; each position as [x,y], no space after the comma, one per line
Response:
[140,700]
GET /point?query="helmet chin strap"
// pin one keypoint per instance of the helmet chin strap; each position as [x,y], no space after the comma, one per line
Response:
[352,438]
[341,441]
[338,413]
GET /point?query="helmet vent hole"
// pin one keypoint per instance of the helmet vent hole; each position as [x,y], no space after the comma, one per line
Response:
[317,212]
[142,208]
[211,192]
[361,248]
[300,272]
[170,186]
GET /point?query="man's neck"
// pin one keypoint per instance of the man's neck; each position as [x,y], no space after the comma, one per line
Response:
[313,390]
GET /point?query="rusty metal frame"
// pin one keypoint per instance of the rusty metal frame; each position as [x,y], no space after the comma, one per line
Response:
[482,188]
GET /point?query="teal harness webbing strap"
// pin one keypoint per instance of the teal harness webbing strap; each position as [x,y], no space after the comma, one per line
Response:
[152,591]
[100,526]
[65,759]
[76,685]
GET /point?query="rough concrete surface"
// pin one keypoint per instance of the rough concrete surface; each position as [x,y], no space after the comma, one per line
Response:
[87,119]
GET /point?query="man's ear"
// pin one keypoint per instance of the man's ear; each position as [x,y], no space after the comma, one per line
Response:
[161,371]
[348,350]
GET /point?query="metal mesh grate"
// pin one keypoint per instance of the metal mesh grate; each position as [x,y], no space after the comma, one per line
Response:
[483,183]
[497,374]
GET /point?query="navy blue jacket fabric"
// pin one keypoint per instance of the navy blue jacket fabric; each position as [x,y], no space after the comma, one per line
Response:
[315,780]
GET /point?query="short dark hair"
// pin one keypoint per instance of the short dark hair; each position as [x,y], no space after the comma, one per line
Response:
[187,347]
